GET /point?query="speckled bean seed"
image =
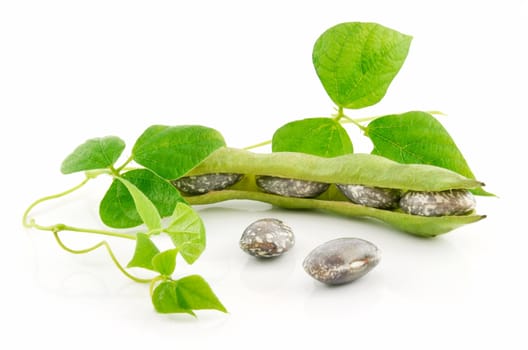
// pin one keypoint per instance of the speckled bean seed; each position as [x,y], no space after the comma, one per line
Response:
[375,197]
[200,184]
[267,238]
[291,187]
[341,260]
[443,203]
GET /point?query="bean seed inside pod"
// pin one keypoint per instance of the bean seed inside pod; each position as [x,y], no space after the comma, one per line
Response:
[443,203]
[341,260]
[291,187]
[200,184]
[375,197]
[267,238]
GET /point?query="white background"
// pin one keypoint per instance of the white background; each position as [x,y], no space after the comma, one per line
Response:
[73,70]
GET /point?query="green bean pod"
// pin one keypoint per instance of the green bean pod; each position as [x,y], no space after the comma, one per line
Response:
[365,169]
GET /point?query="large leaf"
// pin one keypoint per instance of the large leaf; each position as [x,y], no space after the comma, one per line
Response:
[356,62]
[117,208]
[187,232]
[323,137]
[146,209]
[171,151]
[418,138]
[144,252]
[97,153]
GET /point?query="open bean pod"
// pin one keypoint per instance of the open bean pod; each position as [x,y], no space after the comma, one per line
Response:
[365,169]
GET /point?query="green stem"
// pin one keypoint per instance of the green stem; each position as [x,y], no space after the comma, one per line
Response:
[339,114]
[47,198]
[63,227]
[356,122]
[108,249]
[265,143]
[154,281]
[118,170]
[30,223]
[436,113]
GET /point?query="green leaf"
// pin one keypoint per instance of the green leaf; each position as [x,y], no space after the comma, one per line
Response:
[196,294]
[117,208]
[356,62]
[97,153]
[165,299]
[171,151]
[145,208]
[418,138]
[323,137]
[165,262]
[185,295]
[145,251]
[187,232]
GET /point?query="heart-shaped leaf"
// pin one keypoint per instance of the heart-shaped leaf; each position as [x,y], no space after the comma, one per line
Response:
[356,62]
[171,151]
[97,153]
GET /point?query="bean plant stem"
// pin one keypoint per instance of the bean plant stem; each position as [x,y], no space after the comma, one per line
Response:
[265,143]
[47,198]
[339,114]
[108,249]
[31,223]
[154,281]
[356,122]
[123,166]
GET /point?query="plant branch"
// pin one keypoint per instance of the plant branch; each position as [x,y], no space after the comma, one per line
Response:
[268,142]
[356,122]
[108,249]
[47,198]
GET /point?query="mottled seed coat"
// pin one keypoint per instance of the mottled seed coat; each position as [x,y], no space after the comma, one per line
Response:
[267,238]
[291,187]
[200,184]
[341,260]
[443,203]
[375,197]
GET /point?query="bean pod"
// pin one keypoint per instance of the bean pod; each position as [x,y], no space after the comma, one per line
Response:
[366,169]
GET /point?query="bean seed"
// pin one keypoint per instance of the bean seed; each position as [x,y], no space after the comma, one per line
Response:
[341,260]
[267,238]
[443,203]
[375,197]
[200,184]
[291,187]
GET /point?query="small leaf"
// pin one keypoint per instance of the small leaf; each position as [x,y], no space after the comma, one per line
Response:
[165,262]
[172,151]
[323,137]
[145,251]
[356,62]
[166,300]
[418,138]
[145,208]
[187,232]
[97,153]
[196,294]
[117,208]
